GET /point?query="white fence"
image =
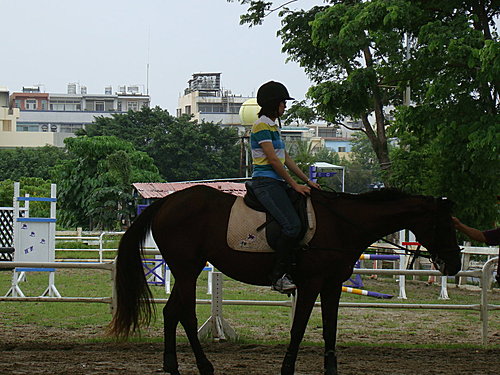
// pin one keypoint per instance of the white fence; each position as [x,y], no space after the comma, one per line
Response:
[482,306]
[94,238]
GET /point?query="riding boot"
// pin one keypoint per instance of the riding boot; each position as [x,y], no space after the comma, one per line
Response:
[280,276]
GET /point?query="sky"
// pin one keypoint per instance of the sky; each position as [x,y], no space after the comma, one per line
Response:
[99,43]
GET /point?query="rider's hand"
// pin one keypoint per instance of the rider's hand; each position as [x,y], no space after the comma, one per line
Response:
[302,189]
[313,184]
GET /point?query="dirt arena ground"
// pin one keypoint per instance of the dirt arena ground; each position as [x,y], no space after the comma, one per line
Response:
[28,350]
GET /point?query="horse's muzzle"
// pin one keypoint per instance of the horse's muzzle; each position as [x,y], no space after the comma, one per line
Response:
[446,268]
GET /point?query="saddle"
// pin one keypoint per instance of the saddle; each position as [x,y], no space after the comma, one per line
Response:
[273,229]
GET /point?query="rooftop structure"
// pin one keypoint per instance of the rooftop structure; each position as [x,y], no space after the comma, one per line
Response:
[206,100]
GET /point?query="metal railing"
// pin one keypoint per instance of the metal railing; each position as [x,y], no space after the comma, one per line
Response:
[484,307]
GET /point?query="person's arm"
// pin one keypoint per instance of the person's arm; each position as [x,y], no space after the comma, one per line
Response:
[292,166]
[279,168]
[472,233]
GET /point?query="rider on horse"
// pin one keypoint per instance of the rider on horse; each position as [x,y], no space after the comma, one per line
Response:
[271,180]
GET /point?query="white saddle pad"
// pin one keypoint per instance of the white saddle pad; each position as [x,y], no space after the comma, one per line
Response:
[242,234]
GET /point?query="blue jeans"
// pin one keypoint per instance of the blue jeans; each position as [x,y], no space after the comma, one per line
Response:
[273,195]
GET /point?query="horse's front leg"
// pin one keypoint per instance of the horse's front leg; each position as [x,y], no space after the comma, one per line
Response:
[330,296]
[306,297]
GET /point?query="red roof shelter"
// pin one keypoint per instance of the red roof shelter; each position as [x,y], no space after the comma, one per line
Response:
[152,190]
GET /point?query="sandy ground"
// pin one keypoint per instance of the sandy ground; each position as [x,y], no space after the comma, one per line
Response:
[31,350]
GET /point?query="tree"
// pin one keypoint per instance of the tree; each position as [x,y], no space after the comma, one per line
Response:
[352,51]
[362,55]
[181,148]
[94,183]
[362,168]
[137,127]
[34,187]
[300,112]
[29,162]
[449,142]
[195,151]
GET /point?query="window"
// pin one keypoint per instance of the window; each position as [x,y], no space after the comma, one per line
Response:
[69,128]
[132,106]
[57,107]
[342,149]
[187,110]
[99,106]
[44,105]
[119,106]
[30,104]
[65,105]
[234,108]
[210,108]
[27,127]
[327,132]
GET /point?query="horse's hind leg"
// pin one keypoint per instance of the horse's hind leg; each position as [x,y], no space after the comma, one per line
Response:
[171,318]
[187,290]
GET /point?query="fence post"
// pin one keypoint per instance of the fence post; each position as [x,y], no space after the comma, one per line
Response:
[216,324]
[113,304]
[485,284]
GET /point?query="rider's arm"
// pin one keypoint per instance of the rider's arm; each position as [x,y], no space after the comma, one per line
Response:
[279,168]
[292,166]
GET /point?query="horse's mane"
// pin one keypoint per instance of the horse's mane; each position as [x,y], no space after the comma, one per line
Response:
[385,194]
[382,195]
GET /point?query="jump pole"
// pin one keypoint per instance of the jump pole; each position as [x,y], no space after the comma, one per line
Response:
[363,292]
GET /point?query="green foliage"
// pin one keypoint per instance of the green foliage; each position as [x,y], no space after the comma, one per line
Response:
[299,113]
[94,183]
[362,168]
[361,55]
[304,156]
[29,162]
[353,52]
[182,149]
[460,160]
[449,143]
[193,151]
[34,187]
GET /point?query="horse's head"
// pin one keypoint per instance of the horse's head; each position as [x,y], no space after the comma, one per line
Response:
[436,232]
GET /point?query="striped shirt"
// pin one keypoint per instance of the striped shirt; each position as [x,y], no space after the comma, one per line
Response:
[266,130]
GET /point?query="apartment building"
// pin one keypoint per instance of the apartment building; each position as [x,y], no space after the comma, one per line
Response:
[48,118]
[206,100]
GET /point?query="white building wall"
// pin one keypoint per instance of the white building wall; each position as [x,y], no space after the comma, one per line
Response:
[60,116]
[32,139]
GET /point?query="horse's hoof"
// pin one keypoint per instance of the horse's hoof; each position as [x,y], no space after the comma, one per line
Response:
[287,370]
[331,363]
[205,367]
[171,372]
[288,366]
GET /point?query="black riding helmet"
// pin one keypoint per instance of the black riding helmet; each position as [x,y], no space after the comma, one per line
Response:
[272,92]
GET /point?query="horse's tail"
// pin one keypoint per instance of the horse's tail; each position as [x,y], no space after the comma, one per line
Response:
[133,296]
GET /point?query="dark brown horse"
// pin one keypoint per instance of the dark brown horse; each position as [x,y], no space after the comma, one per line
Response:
[189,228]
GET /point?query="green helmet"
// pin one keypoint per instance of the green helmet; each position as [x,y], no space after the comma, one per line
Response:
[272,92]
